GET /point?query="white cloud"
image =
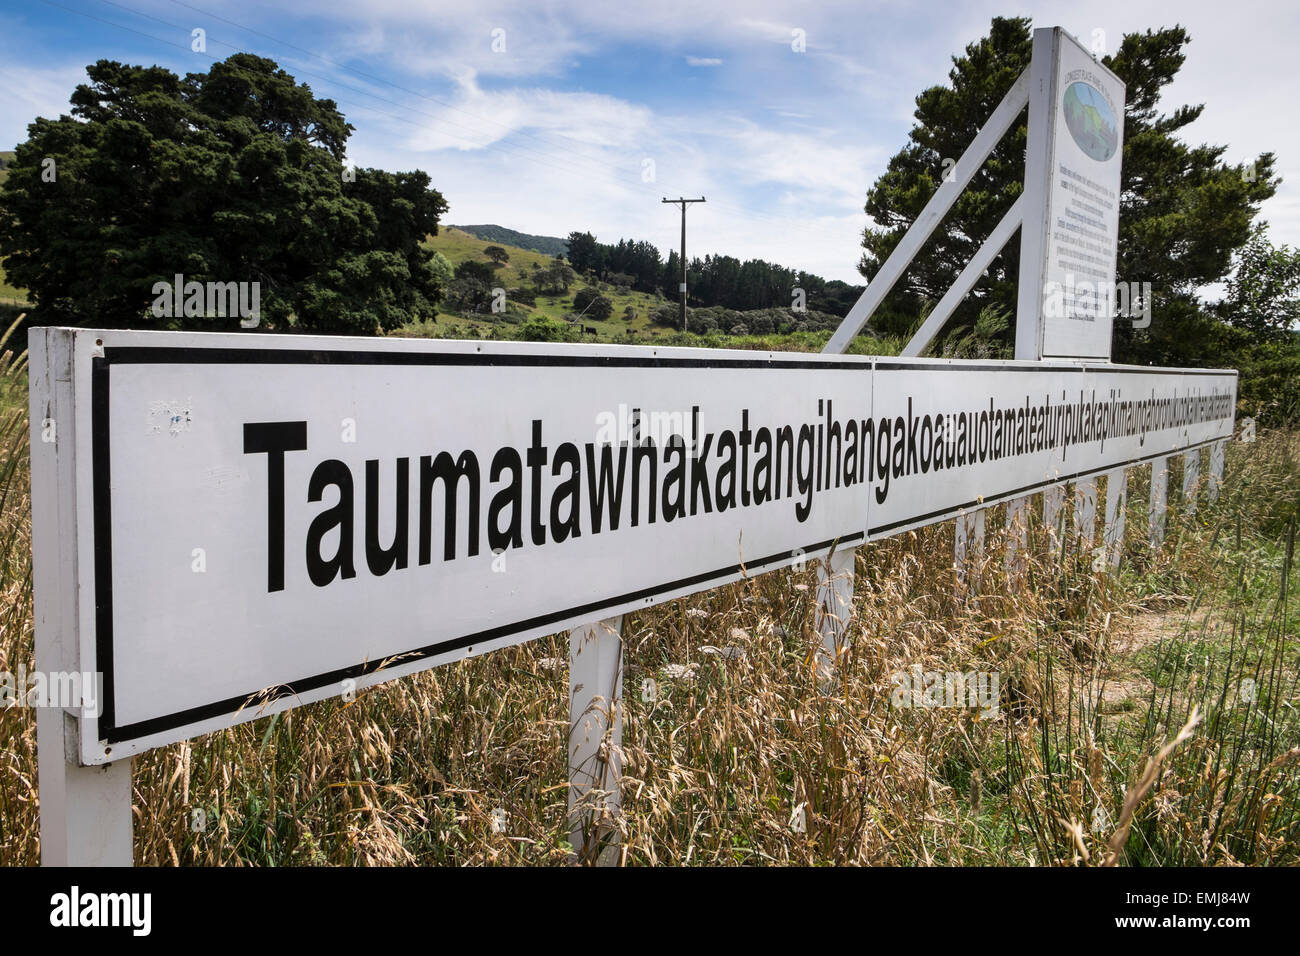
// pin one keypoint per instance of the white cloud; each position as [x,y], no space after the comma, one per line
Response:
[812,162]
[32,92]
[703,61]
[478,119]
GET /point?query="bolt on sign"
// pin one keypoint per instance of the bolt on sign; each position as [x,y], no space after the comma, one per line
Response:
[231,525]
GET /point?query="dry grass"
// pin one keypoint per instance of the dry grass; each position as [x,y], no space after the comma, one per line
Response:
[740,759]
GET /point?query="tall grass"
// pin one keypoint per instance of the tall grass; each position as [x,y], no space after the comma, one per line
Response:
[740,758]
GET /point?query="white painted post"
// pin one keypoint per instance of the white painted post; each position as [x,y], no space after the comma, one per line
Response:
[834,608]
[1017,536]
[85,812]
[1217,452]
[1159,499]
[1116,505]
[595,740]
[968,548]
[1053,506]
[1191,477]
[1085,512]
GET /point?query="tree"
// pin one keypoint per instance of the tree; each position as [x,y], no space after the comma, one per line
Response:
[541,329]
[442,267]
[473,269]
[1261,312]
[234,175]
[559,276]
[1263,294]
[669,315]
[467,294]
[498,255]
[1183,211]
[589,303]
[585,253]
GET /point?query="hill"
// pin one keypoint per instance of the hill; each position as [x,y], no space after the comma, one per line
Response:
[6,157]
[631,315]
[500,235]
[458,245]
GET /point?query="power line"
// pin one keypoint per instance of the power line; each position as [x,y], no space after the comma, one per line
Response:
[683,203]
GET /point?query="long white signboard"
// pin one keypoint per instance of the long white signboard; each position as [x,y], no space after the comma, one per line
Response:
[964,435]
[244,523]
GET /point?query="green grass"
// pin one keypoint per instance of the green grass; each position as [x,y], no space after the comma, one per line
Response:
[459,246]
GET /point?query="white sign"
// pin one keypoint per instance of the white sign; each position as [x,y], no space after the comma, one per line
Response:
[1068,291]
[954,436]
[251,522]
[267,518]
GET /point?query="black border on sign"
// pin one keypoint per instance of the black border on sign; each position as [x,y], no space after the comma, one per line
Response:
[110,732]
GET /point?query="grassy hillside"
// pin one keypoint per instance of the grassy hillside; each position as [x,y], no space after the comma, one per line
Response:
[516,278]
[458,246]
[10,295]
[6,157]
[547,245]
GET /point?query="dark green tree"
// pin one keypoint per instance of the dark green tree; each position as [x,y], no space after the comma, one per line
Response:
[585,253]
[1260,335]
[234,175]
[559,276]
[590,304]
[1263,293]
[1183,209]
[497,254]
[473,269]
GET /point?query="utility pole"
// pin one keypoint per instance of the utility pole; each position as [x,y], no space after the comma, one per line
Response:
[683,203]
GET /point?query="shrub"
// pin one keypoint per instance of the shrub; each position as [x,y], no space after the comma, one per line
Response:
[542,329]
[590,304]
[666,315]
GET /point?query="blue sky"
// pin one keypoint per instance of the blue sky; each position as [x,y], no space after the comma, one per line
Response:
[561,126]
